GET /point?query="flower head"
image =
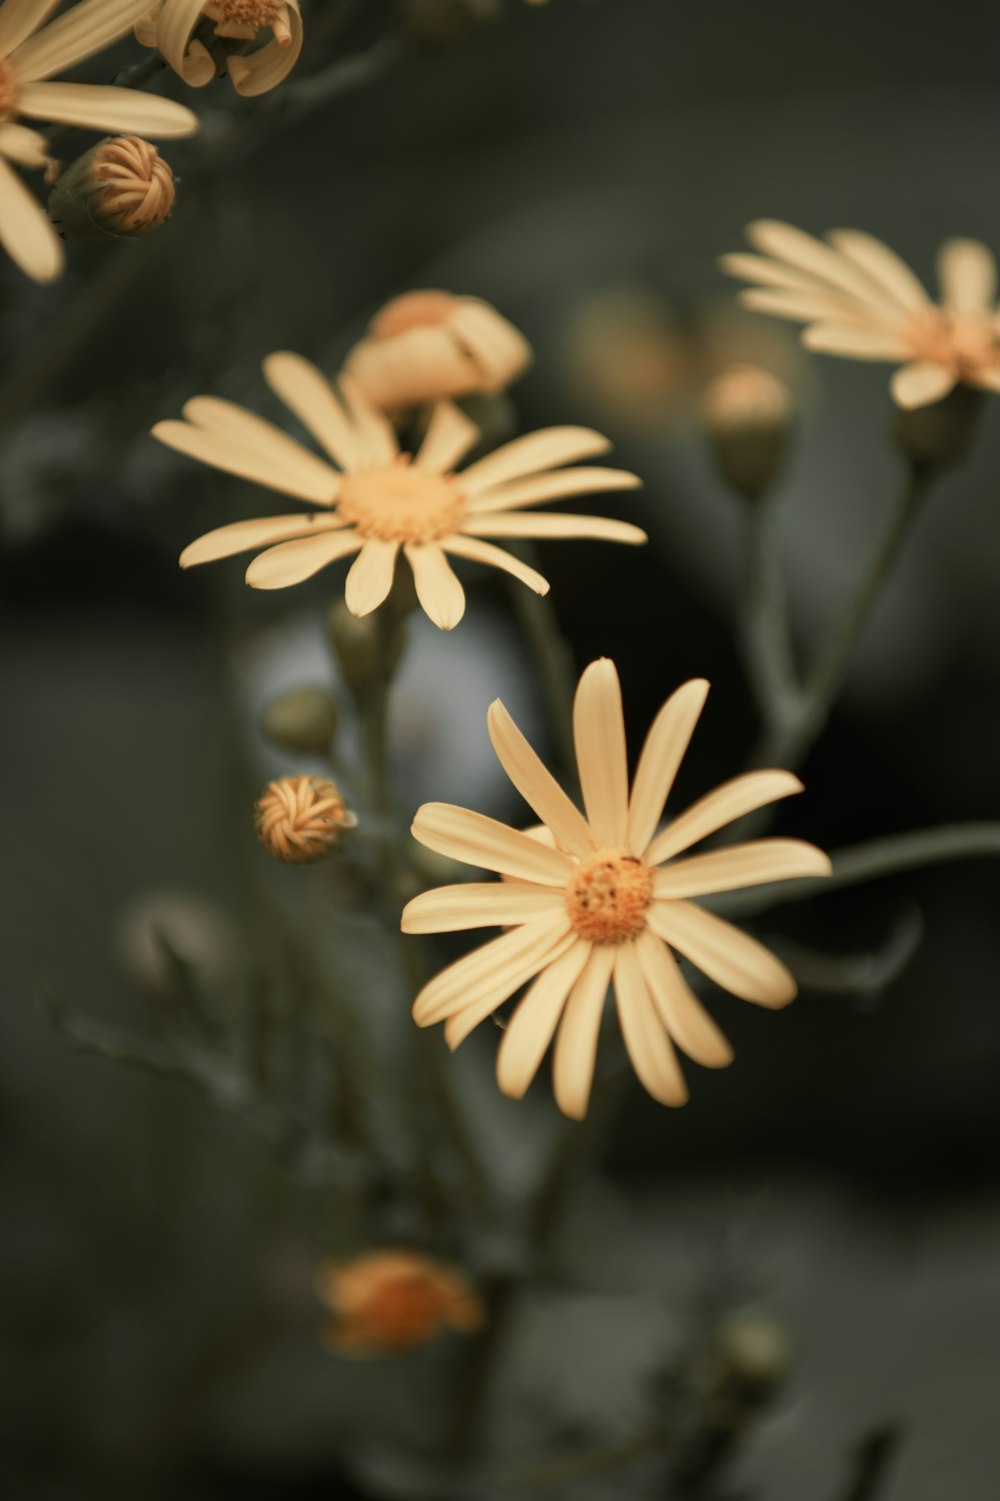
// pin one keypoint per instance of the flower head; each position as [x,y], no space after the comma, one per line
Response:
[603,899]
[300,819]
[388,1301]
[30,54]
[858,299]
[423,346]
[170,26]
[379,502]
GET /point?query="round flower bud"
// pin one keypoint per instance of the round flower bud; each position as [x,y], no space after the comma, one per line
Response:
[118,189]
[303,720]
[748,1360]
[424,346]
[392,1300]
[747,414]
[357,646]
[300,819]
[447,23]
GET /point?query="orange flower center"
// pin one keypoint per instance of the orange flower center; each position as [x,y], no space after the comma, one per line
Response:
[407,1310]
[244,18]
[967,343]
[8,90]
[401,503]
[608,896]
[412,310]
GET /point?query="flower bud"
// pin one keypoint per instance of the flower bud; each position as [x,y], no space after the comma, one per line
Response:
[303,720]
[118,189]
[358,646]
[392,1300]
[447,23]
[936,436]
[300,819]
[748,1360]
[747,414]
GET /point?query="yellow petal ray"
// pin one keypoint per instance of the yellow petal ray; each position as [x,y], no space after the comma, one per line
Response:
[741,795]
[681,1012]
[375,434]
[441,596]
[884,266]
[967,271]
[19,18]
[306,391]
[492,972]
[920,383]
[854,342]
[599,738]
[554,486]
[222,452]
[530,454]
[464,1021]
[806,307]
[538,524]
[478,551]
[768,273]
[25,231]
[262,70]
[576,1044]
[477,840]
[499,349]
[752,864]
[293,562]
[26,147]
[174,26]
[532,1026]
[241,536]
[731,958]
[536,784]
[665,748]
[261,437]
[646,1041]
[99,106]
[448,439]
[369,578]
[479,904]
[786,243]
[76,35]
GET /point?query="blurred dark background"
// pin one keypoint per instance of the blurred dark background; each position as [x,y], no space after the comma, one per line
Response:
[581,165]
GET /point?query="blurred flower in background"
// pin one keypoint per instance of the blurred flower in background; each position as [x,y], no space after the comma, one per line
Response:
[386,1302]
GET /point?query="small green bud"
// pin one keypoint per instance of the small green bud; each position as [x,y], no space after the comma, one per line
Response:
[747,414]
[118,189]
[303,720]
[372,644]
[939,435]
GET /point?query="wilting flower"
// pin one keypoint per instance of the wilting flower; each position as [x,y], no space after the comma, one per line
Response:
[121,187]
[170,27]
[423,346]
[300,819]
[603,900]
[389,1301]
[28,59]
[379,502]
[860,300]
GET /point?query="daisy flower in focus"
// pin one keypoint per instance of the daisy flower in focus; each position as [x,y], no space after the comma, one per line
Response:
[378,502]
[385,1302]
[30,54]
[423,346]
[858,299]
[603,900]
[170,26]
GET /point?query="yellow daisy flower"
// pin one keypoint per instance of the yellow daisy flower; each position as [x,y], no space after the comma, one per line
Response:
[29,56]
[170,26]
[378,502]
[603,901]
[858,299]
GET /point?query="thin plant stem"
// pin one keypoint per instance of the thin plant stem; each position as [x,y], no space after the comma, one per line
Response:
[536,616]
[764,636]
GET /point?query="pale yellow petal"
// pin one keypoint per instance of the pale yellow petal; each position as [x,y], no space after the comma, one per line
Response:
[448,439]
[537,785]
[665,748]
[26,147]
[479,904]
[532,524]
[441,596]
[681,1012]
[459,1025]
[276,448]
[376,436]
[306,391]
[18,19]
[646,1041]
[77,34]
[967,271]
[768,273]
[531,454]
[806,307]
[576,1044]
[478,551]
[599,738]
[370,576]
[222,452]
[102,107]
[920,383]
[731,958]
[262,70]
[415,365]
[293,562]
[741,795]
[854,342]
[242,536]
[498,348]
[786,243]
[25,231]
[175,24]
[477,840]
[492,972]
[554,486]
[884,267]
[533,1024]
[740,865]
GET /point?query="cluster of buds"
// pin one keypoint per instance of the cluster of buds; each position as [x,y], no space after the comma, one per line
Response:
[389,1301]
[301,819]
[120,188]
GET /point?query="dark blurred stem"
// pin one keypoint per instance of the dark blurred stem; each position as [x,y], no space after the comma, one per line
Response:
[874,1456]
[767,650]
[551,654]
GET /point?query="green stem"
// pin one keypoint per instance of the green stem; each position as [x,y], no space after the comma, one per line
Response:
[551,654]
[764,637]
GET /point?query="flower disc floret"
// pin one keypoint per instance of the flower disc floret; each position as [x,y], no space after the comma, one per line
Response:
[244,18]
[608,896]
[401,503]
